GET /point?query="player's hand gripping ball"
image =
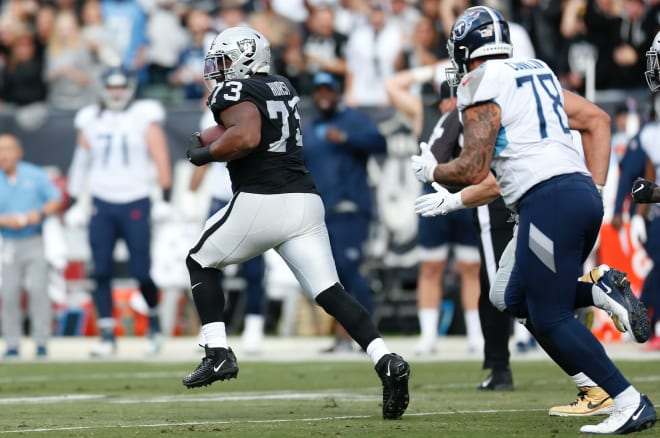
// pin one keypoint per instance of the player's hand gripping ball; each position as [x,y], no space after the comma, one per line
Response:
[198,152]
[210,134]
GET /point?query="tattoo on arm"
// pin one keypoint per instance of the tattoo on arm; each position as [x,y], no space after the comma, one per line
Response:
[481,124]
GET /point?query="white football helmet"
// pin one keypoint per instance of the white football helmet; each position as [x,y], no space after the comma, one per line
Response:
[236,53]
[652,66]
[117,88]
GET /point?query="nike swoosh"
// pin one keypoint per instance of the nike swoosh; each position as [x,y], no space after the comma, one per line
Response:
[217,368]
[596,405]
[606,288]
[387,374]
[195,285]
[638,413]
[638,189]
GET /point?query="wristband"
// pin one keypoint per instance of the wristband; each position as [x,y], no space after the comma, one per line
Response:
[200,156]
[600,187]
[454,202]
[167,194]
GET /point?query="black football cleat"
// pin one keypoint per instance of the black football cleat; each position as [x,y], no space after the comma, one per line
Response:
[394,373]
[497,380]
[218,364]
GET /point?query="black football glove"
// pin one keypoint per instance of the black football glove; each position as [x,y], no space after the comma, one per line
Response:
[197,153]
[642,191]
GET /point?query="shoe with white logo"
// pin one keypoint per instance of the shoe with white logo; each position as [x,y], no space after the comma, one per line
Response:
[394,373]
[218,364]
[591,400]
[612,293]
[497,380]
[627,420]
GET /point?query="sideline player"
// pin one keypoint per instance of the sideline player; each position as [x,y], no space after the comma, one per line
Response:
[275,205]
[543,178]
[121,142]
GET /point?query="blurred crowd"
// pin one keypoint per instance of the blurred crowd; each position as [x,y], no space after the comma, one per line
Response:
[51,51]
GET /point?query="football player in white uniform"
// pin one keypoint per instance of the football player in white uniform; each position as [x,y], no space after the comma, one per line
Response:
[544,179]
[121,142]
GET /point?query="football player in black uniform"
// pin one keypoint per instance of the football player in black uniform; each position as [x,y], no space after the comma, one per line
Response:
[275,205]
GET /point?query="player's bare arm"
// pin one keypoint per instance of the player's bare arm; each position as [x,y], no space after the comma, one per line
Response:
[481,194]
[243,134]
[594,126]
[480,126]
[157,144]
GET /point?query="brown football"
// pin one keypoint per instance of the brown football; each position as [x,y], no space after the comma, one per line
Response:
[210,134]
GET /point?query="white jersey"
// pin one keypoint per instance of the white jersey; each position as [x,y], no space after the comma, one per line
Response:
[534,142]
[121,168]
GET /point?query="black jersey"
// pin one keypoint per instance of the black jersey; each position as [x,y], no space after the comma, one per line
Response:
[276,165]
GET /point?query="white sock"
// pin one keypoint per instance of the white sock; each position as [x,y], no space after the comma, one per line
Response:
[473,327]
[582,379]
[520,333]
[377,349]
[628,397]
[215,335]
[254,324]
[428,323]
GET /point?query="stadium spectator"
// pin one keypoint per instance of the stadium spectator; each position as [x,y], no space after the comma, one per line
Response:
[27,197]
[98,36]
[167,39]
[324,49]
[22,82]
[188,73]
[285,38]
[70,72]
[127,23]
[371,53]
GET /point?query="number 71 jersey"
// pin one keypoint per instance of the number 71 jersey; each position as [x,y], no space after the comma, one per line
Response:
[276,165]
[534,142]
[121,168]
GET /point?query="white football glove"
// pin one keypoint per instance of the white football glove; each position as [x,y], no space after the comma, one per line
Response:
[77,216]
[424,163]
[161,212]
[441,202]
[638,228]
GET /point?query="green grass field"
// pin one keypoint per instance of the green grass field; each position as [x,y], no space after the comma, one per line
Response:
[315,399]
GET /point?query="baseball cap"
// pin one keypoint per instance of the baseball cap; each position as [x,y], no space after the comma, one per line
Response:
[325,78]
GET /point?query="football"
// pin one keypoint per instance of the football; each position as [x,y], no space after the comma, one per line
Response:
[210,134]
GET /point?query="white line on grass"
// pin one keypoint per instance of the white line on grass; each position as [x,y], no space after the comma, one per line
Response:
[275,420]
[50,398]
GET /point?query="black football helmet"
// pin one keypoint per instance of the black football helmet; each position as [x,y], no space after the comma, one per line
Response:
[479,31]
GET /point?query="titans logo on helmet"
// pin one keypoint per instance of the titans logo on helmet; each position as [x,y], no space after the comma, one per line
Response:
[464,24]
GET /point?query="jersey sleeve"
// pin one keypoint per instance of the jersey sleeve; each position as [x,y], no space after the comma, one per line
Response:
[231,93]
[480,85]
[84,117]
